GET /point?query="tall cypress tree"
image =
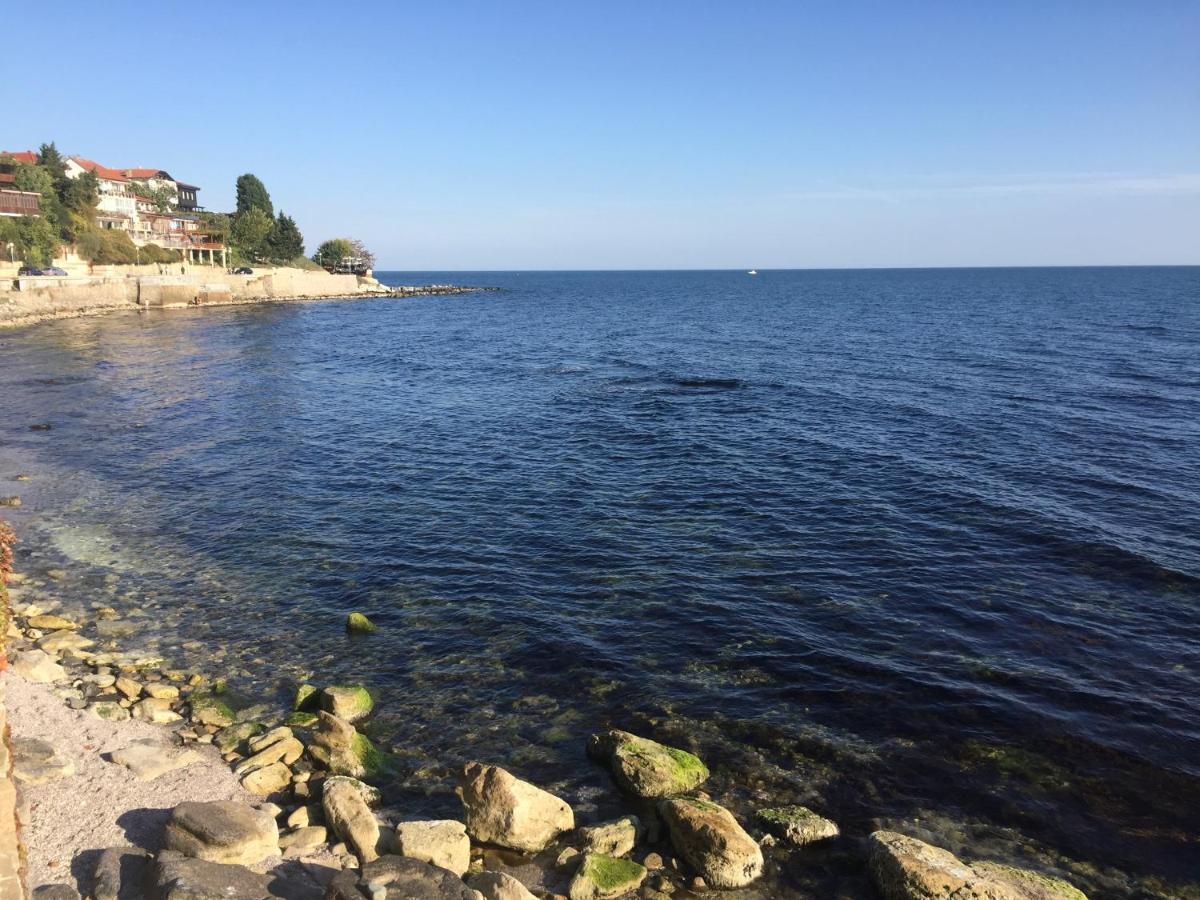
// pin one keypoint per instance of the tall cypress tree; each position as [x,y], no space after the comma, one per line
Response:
[252,194]
[285,242]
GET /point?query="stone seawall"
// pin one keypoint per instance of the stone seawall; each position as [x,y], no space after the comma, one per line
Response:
[27,300]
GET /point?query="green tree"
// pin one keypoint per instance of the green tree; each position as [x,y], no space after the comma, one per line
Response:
[163,196]
[285,242]
[80,195]
[331,253]
[53,162]
[252,194]
[35,240]
[250,230]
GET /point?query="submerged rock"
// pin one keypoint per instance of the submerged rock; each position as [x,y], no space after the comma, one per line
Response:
[647,768]
[64,641]
[798,825]
[357,623]
[612,838]
[904,868]
[602,877]
[442,843]
[344,801]
[349,702]
[503,810]
[712,842]
[49,622]
[223,831]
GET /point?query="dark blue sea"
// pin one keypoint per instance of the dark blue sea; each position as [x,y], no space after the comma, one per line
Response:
[917,548]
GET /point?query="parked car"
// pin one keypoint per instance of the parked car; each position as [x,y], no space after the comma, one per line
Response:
[243,270]
[26,271]
[54,270]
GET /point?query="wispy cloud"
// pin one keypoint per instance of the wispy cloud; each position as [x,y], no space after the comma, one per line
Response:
[1082,184]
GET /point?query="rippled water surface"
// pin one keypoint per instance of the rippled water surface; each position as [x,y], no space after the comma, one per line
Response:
[919,548]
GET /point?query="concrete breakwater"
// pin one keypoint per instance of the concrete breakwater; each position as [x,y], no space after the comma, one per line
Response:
[24,301]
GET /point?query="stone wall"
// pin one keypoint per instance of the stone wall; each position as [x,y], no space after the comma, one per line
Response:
[24,300]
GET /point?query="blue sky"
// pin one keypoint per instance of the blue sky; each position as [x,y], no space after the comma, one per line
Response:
[511,135]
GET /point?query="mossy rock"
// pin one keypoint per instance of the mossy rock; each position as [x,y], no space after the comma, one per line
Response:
[798,825]
[306,697]
[301,719]
[233,736]
[647,768]
[357,623]
[209,709]
[350,702]
[1035,884]
[362,759]
[602,877]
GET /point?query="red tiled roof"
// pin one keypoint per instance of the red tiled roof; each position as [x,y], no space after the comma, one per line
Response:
[22,156]
[145,173]
[100,171]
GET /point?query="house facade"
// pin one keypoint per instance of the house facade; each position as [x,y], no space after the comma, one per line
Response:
[185,194]
[12,201]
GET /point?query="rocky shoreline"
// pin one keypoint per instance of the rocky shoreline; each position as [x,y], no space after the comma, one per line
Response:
[286,806]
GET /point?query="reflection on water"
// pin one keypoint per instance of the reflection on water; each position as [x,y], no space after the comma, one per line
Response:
[915,548]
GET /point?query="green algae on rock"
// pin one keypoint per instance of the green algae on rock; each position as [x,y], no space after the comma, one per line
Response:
[647,768]
[357,623]
[210,709]
[602,877]
[798,825]
[306,697]
[349,702]
[301,719]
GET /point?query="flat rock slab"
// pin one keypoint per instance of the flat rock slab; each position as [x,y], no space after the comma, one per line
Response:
[37,762]
[148,759]
[38,666]
[400,878]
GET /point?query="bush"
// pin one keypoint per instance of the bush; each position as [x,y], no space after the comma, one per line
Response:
[107,247]
[152,253]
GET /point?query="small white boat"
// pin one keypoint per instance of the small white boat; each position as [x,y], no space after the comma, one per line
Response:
[752,272]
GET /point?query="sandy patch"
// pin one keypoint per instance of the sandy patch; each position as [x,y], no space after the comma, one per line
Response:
[102,804]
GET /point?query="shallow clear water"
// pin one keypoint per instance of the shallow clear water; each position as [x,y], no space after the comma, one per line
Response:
[899,544]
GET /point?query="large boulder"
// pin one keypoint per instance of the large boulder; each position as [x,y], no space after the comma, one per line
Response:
[646,768]
[503,810]
[222,831]
[712,842]
[499,886]
[904,868]
[177,877]
[797,825]
[442,843]
[602,877]
[347,814]
[399,878]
